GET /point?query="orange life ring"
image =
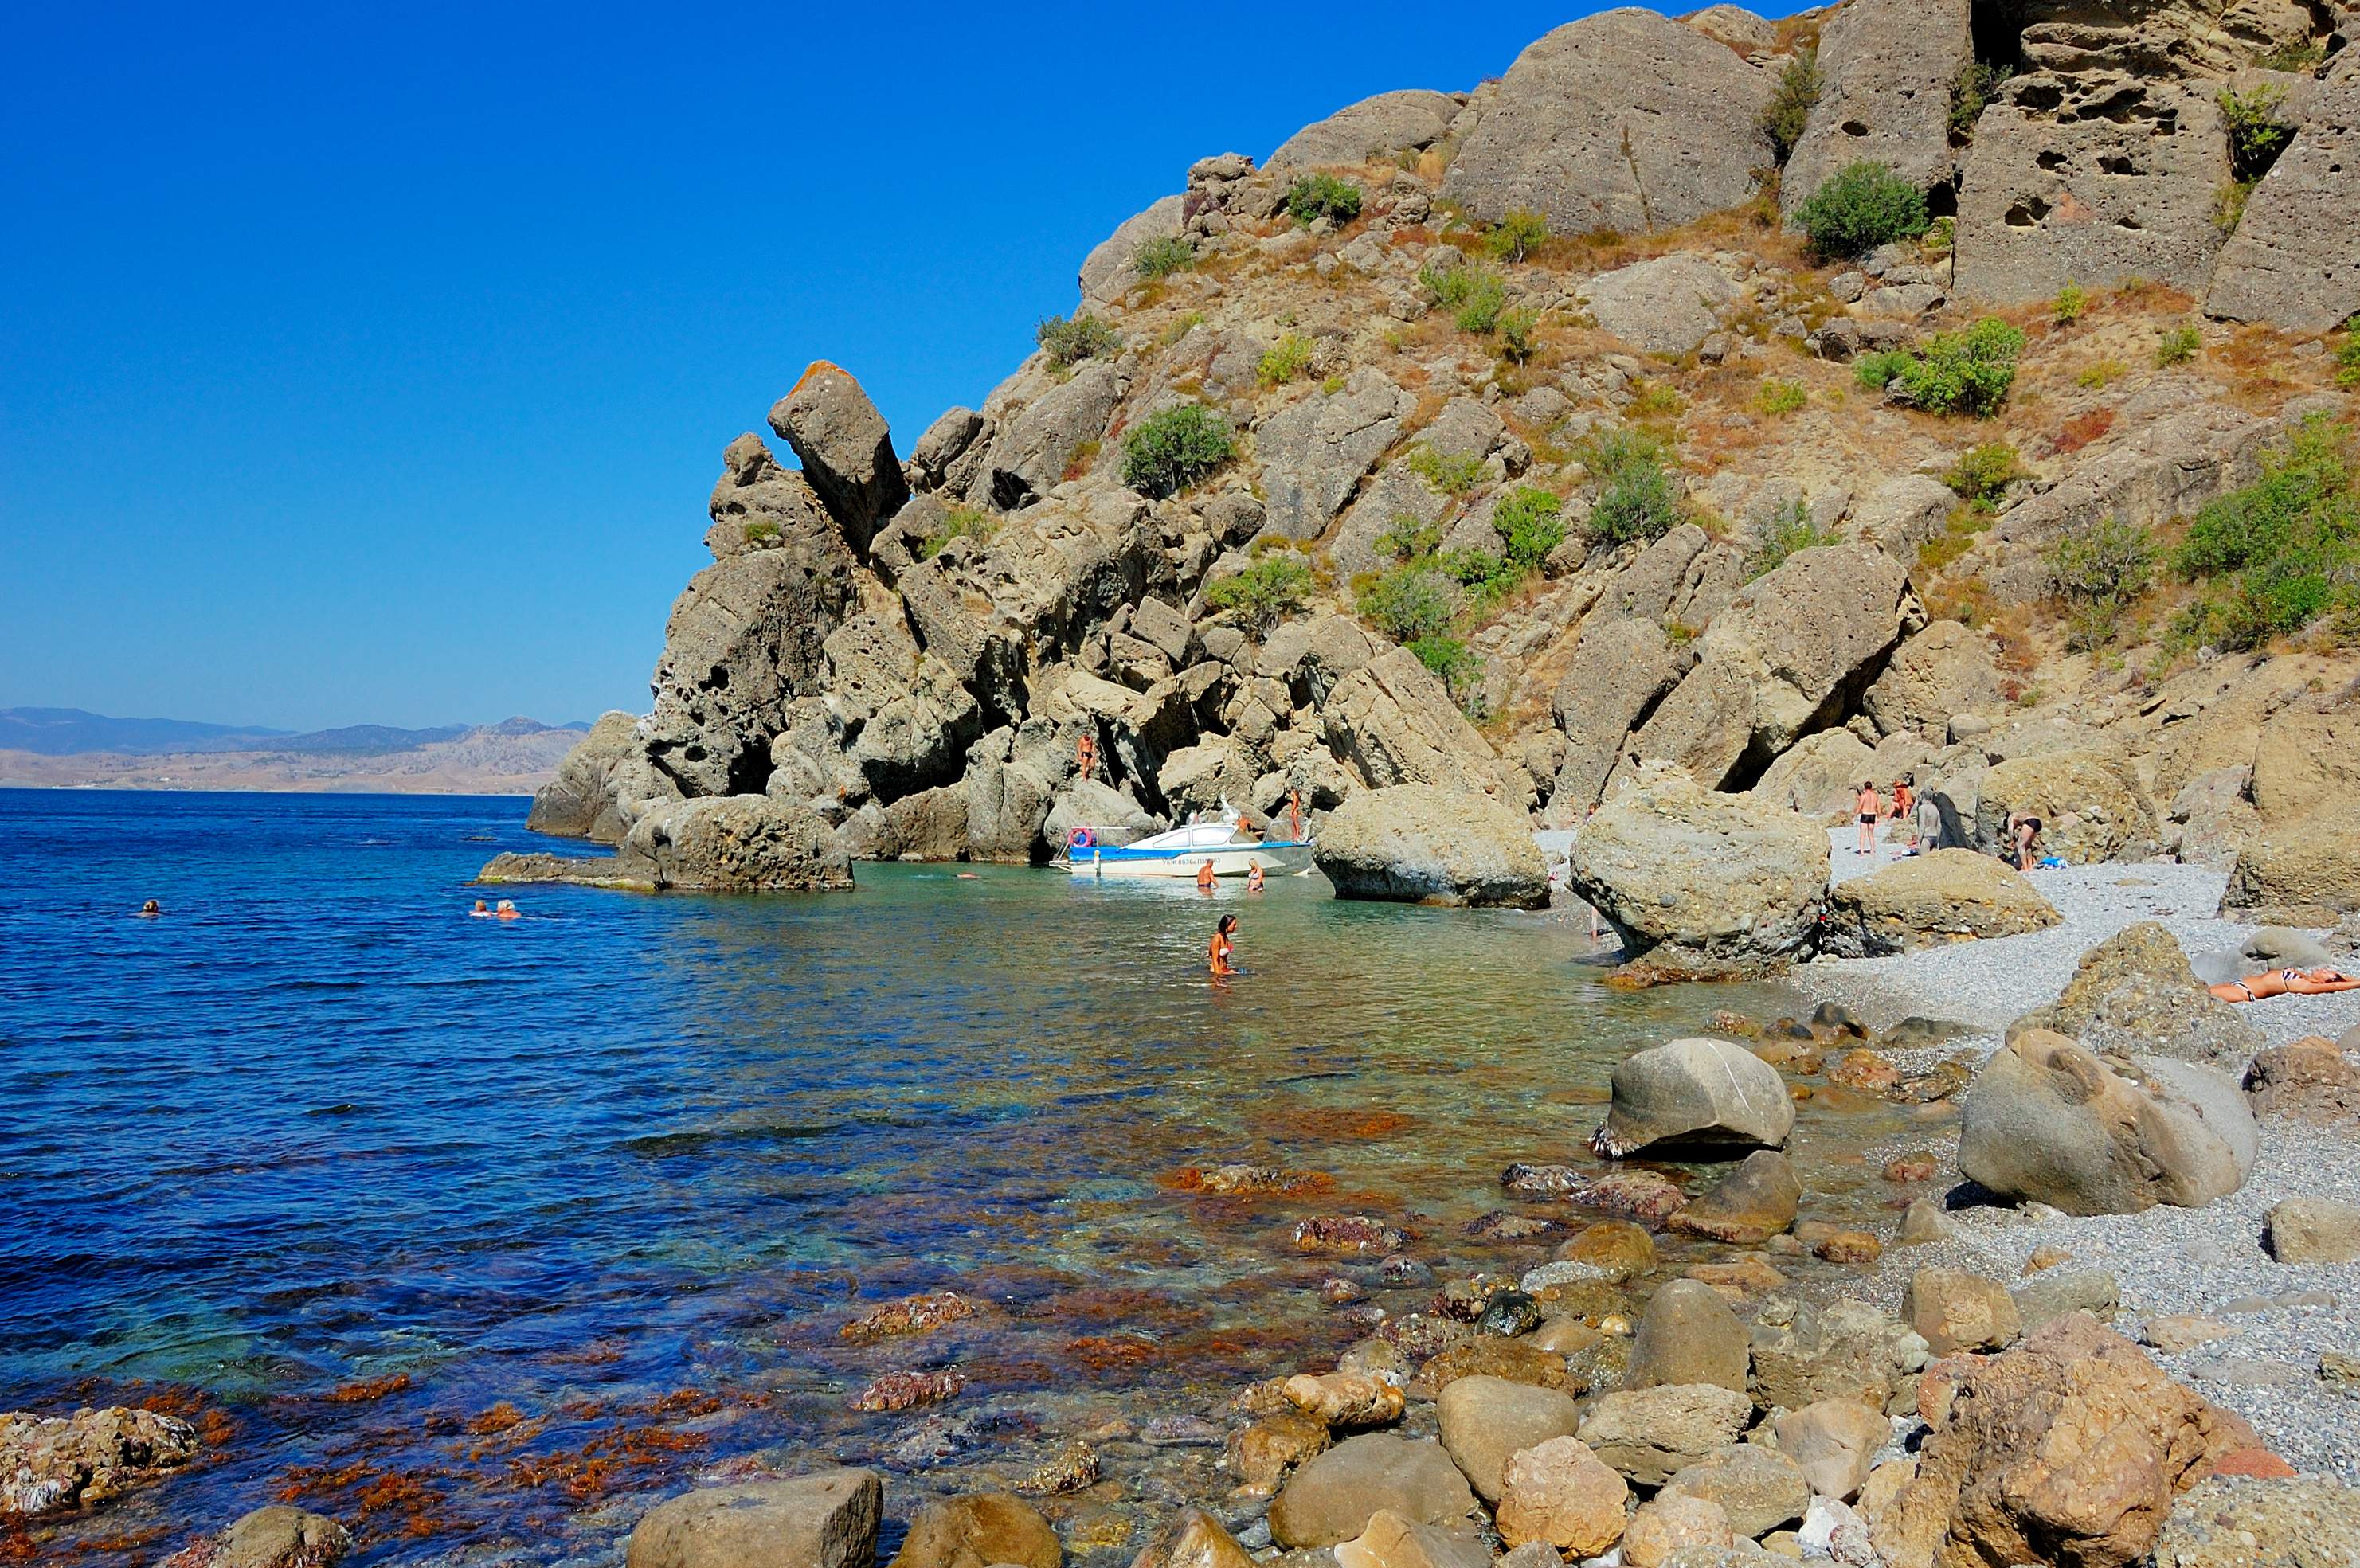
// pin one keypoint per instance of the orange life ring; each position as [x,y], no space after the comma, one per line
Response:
[1081,838]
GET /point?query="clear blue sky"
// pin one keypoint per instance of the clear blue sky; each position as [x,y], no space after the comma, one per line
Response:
[373,363]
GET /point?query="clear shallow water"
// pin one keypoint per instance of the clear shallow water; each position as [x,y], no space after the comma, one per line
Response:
[478,1236]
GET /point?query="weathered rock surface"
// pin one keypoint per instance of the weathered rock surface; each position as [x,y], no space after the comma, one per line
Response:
[2136,993]
[1410,120]
[978,1531]
[1804,1353]
[1886,67]
[1562,1494]
[2310,865]
[1316,453]
[846,450]
[2054,1292]
[2314,1230]
[1625,120]
[823,1520]
[1834,1441]
[1418,843]
[1757,1487]
[2048,1120]
[1393,721]
[1941,672]
[1665,307]
[1688,1334]
[1651,1435]
[1392,1542]
[1695,1092]
[740,844]
[580,802]
[1954,1310]
[2227,1522]
[2073,1447]
[50,1463]
[1486,1421]
[1931,900]
[1193,1538]
[1621,667]
[2310,1079]
[274,1537]
[1717,877]
[1748,1206]
[1672,1522]
[2282,265]
[1332,1498]
[1108,271]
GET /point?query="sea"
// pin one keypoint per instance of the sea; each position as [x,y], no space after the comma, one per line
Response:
[483,1236]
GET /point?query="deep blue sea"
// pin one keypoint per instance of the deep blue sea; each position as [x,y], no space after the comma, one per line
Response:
[479,1236]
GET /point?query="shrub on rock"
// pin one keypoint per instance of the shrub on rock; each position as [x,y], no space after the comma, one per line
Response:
[1175,448]
[1860,208]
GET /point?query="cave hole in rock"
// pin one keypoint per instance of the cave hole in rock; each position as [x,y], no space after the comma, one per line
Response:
[2028,213]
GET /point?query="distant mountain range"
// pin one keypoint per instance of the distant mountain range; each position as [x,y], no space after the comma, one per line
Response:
[67,747]
[71,732]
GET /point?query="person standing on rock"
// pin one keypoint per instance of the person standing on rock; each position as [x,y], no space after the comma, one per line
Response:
[1870,809]
[1086,757]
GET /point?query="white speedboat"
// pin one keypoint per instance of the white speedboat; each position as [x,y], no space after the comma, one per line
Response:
[1182,852]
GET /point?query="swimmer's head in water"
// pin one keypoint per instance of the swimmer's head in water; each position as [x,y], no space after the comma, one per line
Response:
[151,908]
[507,906]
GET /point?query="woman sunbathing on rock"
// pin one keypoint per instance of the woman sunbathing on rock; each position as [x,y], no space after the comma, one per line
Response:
[2283,982]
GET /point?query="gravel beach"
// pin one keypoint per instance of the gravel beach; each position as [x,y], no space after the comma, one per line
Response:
[2207,1262]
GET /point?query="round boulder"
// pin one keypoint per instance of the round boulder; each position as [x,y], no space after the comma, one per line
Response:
[1695,1092]
[1930,900]
[1421,843]
[1332,1498]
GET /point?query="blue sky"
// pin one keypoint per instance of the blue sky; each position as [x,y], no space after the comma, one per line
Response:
[372,365]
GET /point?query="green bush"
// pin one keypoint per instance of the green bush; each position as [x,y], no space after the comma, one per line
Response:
[760,530]
[2257,135]
[2072,300]
[1960,372]
[1174,448]
[1790,530]
[1071,341]
[1483,307]
[1162,256]
[1453,474]
[2347,355]
[1531,523]
[1517,235]
[1409,538]
[1778,398]
[2300,59]
[1971,93]
[1285,360]
[1317,196]
[2177,346]
[2275,556]
[1516,329]
[1273,586]
[1860,208]
[961,522]
[1415,599]
[1983,473]
[2105,559]
[1790,105]
[1473,294]
[1452,661]
[1635,497]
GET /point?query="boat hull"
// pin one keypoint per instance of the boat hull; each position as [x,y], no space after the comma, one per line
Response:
[1185,864]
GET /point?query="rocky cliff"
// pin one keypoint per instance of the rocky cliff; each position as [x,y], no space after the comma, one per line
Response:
[1541,381]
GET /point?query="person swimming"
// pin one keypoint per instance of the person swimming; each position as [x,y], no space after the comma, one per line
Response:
[2285,982]
[507,911]
[482,910]
[150,910]
[1221,955]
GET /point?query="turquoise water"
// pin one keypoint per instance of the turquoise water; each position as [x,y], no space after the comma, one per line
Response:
[479,1235]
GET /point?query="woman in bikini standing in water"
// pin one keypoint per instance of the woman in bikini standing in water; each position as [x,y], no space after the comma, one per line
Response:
[1222,954]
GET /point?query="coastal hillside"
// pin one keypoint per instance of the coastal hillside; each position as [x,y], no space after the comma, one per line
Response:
[1959,392]
[67,748]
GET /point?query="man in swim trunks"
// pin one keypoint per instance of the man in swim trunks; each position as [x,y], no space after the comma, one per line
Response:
[1869,812]
[2285,982]
[1205,877]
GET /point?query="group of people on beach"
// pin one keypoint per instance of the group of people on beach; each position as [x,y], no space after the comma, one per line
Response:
[1904,805]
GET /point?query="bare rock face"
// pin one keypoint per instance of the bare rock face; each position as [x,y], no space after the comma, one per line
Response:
[1620,669]
[1410,120]
[846,451]
[1688,1335]
[825,1520]
[935,462]
[740,844]
[1667,306]
[1314,453]
[2047,1120]
[755,504]
[746,636]
[1886,67]
[2089,802]
[1944,671]
[577,803]
[2283,264]
[2070,1448]
[1626,120]
[1108,271]
[2090,179]
[1735,27]
[975,1531]
[1900,516]
[1930,900]
[1029,456]
[1418,843]
[1393,720]
[2169,39]
[51,1464]
[1804,1353]
[1820,777]
[2309,865]
[1714,875]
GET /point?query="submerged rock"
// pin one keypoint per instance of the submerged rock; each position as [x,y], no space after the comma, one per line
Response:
[51,1464]
[1748,1206]
[274,1537]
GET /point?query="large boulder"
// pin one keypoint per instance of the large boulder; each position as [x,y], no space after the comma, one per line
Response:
[1931,900]
[2136,993]
[1409,120]
[51,1464]
[825,1520]
[1625,120]
[577,803]
[1487,1421]
[1651,1435]
[738,844]
[1314,453]
[273,1537]
[2047,1120]
[1903,515]
[1311,656]
[2073,1447]
[2283,266]
[1029,456]
[756,503]
[1620,668]
[1943,672]
[1667,306]
[1818,777]
[746,637]
[2089,802]
[1393,721]
[1886,67]
[1332,1498]
[2091,178]
[1422,844]
[2304,762]
[1695,1093]
[1688,1334]
[2303,865]
[845,449]
[1713,878]
[978,1531]
[1108,271]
